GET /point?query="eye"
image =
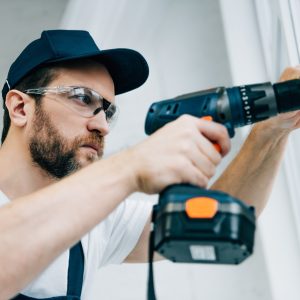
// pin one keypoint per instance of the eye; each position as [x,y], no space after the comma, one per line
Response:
[81,98]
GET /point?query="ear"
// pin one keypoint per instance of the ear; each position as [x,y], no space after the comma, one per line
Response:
[19,106]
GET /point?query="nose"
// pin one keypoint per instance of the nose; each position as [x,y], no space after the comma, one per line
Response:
[98,122]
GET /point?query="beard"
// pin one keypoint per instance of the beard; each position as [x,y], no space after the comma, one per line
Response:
[55,154]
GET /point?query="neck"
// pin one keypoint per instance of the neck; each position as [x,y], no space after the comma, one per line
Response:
[19,176]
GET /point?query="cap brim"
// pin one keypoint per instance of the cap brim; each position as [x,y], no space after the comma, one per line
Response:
[127,67]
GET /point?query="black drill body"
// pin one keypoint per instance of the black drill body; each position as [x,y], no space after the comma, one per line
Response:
[233,107]
[226,237]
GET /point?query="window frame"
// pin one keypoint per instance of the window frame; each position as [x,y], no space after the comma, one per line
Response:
[279,27]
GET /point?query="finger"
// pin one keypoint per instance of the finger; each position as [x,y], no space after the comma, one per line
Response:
[193,175]
[207,148]
[290,73]
[216,133]
[216,146]
[202,162]
[188,128]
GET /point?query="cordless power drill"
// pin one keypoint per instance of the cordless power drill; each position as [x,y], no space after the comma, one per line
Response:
[195,225]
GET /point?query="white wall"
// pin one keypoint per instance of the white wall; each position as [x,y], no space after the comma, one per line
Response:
[20,23]
[184,44]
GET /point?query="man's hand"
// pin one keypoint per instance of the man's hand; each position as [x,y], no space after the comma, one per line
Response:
[286,122]
[180,152]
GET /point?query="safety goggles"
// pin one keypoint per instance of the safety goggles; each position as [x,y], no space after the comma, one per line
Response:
[82,100]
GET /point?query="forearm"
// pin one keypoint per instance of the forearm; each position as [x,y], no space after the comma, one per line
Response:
[35,229]
[251,174]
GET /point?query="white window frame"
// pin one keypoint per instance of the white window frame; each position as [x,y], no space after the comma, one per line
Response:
[279,26]
[257,33]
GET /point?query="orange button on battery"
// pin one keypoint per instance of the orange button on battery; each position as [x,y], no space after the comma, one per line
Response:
[201,207]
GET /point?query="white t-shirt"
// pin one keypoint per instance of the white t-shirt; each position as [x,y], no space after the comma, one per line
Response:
[108,243]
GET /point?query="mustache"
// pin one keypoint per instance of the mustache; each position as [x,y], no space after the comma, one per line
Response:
[94,138]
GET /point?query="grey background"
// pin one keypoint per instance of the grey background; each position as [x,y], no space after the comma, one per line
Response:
[21,21]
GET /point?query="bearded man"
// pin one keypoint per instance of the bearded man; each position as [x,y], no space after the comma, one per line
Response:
[59,103]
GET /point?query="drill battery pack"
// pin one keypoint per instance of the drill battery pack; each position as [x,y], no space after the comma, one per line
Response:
[194,225]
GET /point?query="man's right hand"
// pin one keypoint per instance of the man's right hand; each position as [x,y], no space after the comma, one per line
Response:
[180,152]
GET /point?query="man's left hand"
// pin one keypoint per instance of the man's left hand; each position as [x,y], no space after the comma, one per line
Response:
[286,122]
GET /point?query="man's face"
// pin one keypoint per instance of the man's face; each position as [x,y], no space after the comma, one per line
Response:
[62,141]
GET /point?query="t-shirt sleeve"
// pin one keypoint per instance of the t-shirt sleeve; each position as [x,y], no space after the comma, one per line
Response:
[127,224]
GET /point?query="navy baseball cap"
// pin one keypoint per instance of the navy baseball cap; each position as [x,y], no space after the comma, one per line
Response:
[128,68]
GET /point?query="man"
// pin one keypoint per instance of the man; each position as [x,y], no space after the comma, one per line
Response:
[46,132]
[59,102]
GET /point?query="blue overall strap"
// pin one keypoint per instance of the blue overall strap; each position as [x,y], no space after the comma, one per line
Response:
[75,277]
[75,271]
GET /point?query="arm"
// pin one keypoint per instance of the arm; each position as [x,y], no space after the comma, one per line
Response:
[251,175]
[35,229]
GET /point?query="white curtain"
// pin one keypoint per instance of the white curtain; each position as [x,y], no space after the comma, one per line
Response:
[193,45]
